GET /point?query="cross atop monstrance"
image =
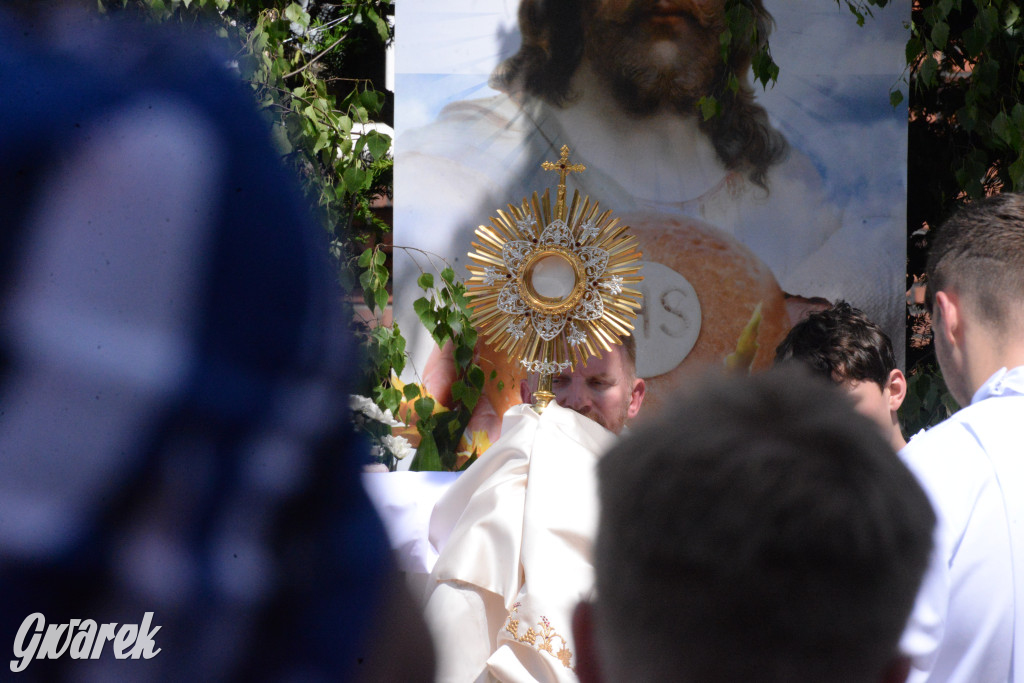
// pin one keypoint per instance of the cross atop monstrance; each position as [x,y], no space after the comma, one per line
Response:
[564,168]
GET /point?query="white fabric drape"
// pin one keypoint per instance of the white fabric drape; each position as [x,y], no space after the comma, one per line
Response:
[514,534]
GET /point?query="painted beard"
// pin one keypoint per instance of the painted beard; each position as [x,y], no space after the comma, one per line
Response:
[654,54]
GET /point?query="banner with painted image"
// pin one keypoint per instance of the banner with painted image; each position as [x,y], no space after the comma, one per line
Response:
[787,198]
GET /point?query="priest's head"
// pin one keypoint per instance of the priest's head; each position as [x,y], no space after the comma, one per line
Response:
[760,530]
[606,389]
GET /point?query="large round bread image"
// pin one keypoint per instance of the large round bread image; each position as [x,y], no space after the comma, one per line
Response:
[709,302]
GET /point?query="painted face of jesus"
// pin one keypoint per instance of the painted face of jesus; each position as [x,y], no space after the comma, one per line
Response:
[656,52]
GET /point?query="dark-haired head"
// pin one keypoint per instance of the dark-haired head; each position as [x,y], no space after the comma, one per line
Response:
[979,253]
[840,344]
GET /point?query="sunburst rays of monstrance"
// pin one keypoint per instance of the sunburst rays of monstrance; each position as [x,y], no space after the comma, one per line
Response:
[553,285]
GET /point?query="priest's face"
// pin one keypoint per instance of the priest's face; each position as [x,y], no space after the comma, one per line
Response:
[605,390]
[656,52]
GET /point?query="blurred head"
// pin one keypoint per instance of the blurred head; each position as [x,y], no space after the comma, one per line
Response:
[174,375]
[976,276]
[760,530]
[842,345]
[606,389]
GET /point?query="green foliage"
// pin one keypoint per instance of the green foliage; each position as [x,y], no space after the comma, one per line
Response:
[966,128]
[966,103]
[861,9]
[293,57]
[740,36]
[928,402]
[444,312]
[374,279]
[709,107]
[322,118]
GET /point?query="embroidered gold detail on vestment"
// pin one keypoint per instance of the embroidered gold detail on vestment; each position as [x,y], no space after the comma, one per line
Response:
[541,637]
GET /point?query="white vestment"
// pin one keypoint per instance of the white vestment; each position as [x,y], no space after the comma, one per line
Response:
[514,534]
[405,501]
[968,625]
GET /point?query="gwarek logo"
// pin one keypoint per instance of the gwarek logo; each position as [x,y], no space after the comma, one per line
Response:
[81,639]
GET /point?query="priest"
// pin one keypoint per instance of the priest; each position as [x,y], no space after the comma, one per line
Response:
[515,530]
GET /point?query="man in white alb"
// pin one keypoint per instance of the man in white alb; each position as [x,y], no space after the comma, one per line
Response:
[515,531]
[972,465]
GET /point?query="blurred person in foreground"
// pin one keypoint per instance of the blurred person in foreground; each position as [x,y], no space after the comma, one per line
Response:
[972,465]
[843,346]
[174,436]
[771,535]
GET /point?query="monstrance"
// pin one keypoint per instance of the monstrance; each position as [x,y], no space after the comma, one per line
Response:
[552,286]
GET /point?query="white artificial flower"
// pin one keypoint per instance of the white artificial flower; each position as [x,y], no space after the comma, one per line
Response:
[398,445]
[364,406]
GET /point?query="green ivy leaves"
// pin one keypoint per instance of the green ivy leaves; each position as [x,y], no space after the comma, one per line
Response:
[740,36]
[384,346]
[927,403]
[297,15]
[374,278]
[323,128]
[966,59]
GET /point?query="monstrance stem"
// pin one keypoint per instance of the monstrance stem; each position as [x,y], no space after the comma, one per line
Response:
[543,396]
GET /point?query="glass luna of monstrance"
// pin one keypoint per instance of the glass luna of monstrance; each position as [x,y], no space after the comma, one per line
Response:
[554,285]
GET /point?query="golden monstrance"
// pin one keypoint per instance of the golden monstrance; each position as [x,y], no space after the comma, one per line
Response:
[553,286]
